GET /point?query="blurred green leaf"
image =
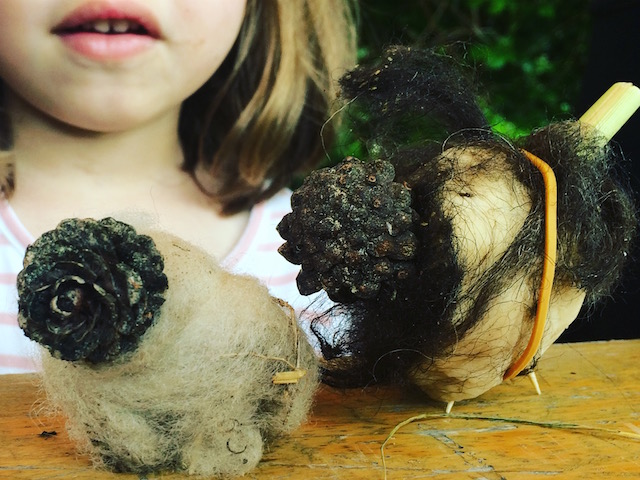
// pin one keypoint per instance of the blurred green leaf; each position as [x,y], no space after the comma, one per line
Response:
[529,57]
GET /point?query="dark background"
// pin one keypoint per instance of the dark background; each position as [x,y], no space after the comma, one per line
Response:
[536,62]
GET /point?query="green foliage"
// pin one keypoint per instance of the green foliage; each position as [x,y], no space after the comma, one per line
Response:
[529,56]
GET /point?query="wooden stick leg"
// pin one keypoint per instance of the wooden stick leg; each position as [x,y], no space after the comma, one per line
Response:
[447,410]
[534,381]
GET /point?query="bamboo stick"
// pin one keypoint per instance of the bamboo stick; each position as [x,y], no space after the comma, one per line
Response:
[612,110]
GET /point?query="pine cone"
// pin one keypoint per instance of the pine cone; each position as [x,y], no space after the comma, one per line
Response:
[90,289]
[350,229]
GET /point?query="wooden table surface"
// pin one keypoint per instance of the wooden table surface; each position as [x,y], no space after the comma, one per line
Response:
[594,385]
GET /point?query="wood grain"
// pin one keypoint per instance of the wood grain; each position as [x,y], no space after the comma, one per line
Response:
[591,384]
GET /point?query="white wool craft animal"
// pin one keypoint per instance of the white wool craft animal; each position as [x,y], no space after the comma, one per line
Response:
[219,369]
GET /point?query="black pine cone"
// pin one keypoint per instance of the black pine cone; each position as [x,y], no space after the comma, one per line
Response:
[90,289]
[350,229]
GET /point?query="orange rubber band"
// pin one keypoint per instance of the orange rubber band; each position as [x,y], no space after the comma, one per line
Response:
[548,266]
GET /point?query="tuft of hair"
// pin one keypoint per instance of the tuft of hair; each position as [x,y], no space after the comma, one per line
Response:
[7,173]
[597,217]
[7,170]
[197,395]
[411,98]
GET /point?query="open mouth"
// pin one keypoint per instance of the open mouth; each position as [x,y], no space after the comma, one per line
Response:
[106,26]
[109,18]
[109,30]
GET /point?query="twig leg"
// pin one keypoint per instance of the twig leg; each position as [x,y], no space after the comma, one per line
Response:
[534,381]
[448,408]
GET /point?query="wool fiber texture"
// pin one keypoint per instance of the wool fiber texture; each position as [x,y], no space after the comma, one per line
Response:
[197,393]
[479,225]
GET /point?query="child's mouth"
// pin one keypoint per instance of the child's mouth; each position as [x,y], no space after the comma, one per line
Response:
[107,40]
[108,31]
[106,26]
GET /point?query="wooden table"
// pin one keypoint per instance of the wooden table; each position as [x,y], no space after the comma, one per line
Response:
[593,384]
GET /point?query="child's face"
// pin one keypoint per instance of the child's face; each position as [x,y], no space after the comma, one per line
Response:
[111,65]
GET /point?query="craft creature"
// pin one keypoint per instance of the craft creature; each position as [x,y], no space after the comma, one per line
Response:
[440,250]
[160,359]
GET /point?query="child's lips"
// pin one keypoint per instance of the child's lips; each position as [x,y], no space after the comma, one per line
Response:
[107,47]
[108,30]
[113,13]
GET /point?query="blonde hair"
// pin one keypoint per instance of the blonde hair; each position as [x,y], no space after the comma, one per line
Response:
[6,157]
[256,122]
[271,98]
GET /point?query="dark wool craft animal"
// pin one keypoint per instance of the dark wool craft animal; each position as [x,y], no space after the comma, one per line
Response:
[433,248]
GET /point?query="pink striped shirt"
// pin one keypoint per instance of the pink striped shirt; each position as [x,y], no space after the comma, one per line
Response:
[255,254]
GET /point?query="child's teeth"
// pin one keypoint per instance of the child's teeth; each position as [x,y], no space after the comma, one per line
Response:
[101,26]
[120,26]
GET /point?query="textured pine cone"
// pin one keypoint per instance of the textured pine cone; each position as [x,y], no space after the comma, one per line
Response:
[90,289]
[350,229]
